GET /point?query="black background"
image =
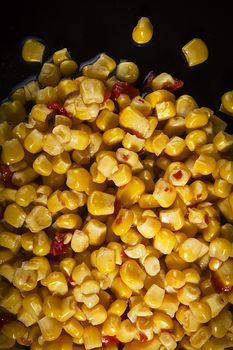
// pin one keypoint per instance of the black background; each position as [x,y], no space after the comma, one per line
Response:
[89,27]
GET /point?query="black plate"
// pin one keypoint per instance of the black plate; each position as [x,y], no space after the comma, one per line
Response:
[89,27]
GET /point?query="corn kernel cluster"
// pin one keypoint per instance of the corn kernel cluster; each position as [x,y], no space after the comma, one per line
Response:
[117,214]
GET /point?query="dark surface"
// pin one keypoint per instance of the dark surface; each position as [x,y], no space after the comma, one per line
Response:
[87,28]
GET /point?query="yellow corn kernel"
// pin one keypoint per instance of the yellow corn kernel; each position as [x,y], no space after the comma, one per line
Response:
[10,240]
[79,140]
[195,139]
[134,120]
[227,103]
[218,327]
[61,163]
[96,231]
[113,136]
[68,67]
[42,165]
[107,120]
[92,338]
[127,331]
[184,105]
[195,51]
[97,176]
[55,203]
[118,307]
[161,321]
[51,145]
[132,237]
[191,249]
[147,201]
[192,276]
[33,141]
[92,91]
[159,142]
[25,195]
[56,283]
[132,142]
[132,275]
[19,94]
[204,164]
[164,193]
[68,221]
[197,118]
[107,165]
[74,328]
[168,340]
[25,280]
[5,255]
[123,101]
[127,71]
[122,176]
[62,133]
[220,248]
[151,265]
[41,244]
[169,305]
[131,192]
[142,105]
[143,31]
[126,156]
[46,95]
[105,260]
[40,112]
[95,315]
[49,75]
[78,179]
[5,131]
[223,141]
[201,311]
[67,265]
[122,222]
[148,226]
[30,90]
[154,296]
[173,219]
[175,146]
[120,289]
[14,215]
[33,50]
[12,151]
[81,273]
[100,203]
[7,271]
[175,278]
[174,126]
[79,241]
[38,219]
[159,96]
[200,337]
[188,293]
[66,87]
[165,241]
[111,326]
[12,300]
[27,241]
[60,56]
[50,328]
[165,110]
[226,171]
[222,188]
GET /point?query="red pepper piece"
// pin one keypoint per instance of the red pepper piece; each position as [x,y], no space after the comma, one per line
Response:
[107,95]
[58,108]
[123,88]
[142,337]
[178,175]
[5,175]
[175,86]
[107,339]
[117,207]
[58,246]
[206,218]
[4,318]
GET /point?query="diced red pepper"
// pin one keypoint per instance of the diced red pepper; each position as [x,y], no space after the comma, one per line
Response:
[58,246]
[167,189]
[207,221]
[142,337]
[5,175]
[107,95]
[178,175]
[117,207]
[4,318]
[123,88]
[107,339]
[177,83]
[136,133]
[58,108]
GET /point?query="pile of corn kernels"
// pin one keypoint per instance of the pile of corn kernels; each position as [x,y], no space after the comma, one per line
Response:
[116,213]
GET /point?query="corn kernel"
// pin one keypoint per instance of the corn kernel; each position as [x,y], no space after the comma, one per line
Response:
[195,52]
[143,31]
[33,51]
[49,75]
[132,275]
[38,219]
[134,120]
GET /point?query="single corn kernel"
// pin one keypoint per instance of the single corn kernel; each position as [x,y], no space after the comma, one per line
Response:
[68,67]
[38,219]
[33,50]
[154,296]
[122,176]
[148,226]
[204,165]
[227,103]
[49,75]
[33,141]
[191,249]
[12,152]
[51,145]
[143,31]
[195,52]
[107,120]
[223,141]
[220,248]
[100,203]
[50,328]
[195,139]
[165,241]
[159,142]
[78,179]
[135,121]
[25,195]
[173,219]
[107,165]
[79,140]
[113,136]
[131,192]
[40,112]
[197,118]
[164,193]
[165,110]
[127,71]
[79,241]
[132,142]
[175,278]
[122,222]
[175,146]
[159,96]
[132,275]
[14,215]
[42,165]
[201,311]
[92,91]
[175,126]
[60,56]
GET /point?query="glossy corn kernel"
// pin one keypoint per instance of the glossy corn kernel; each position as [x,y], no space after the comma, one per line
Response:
[107,120]
[40,112]
[25,195]
[92,91]
[159,142]
[196,119]
[132,275]
[226,171]
[33,51]
[10,240]
[42,165]
[107,165]
[143,31]
[92,338]
[120,289]
[218,327]
[220,248]
[78,179]
[132,142]
[79,241]
[175,146]
[165,241]
[154,296]
[204,164]
[227,103]
[49,75]
[122,176]
[191,249]
[60,56]
[175,126]
[135,121]
[195,52]
[195,139]
[12,151]
[105,260]
[122,222]
[164,193]
[14,215]
[33,141]
[127,71]
[100,203]
[113,136]
[50,328]
[68,67]
[222,188]
[131,192]
[51,145]
[148,226]
[173,219]
[223,141]
[38,219]
[201,311]
[165,110]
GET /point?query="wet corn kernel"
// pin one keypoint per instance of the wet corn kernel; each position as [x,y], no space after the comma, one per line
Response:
[78,179]
[14,215]
[68,67]
[100,203]
[131,192]
[132,275]
[25,195]
[42,165]
[143,31]
[159,142]
[12,151]
[127,71]
[164,193]
[227,103]
[165,241]
[195,52]
[204,164]
[113,136]
[148,226]
[38,218]
[49,75]
[33,50]
[134,120]
[122,222]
